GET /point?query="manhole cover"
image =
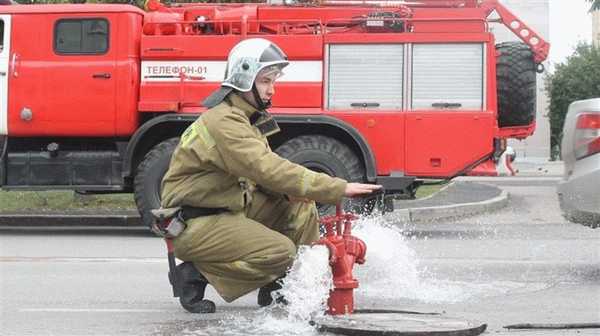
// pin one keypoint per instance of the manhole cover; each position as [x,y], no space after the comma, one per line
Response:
[398,323]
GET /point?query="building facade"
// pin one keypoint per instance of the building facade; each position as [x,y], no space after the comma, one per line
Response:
[596,27]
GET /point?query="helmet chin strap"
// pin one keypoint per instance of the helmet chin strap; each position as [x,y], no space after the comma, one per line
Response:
[261,119]
[260,104]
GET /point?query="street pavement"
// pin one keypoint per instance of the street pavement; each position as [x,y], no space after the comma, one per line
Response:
[464,195]
[520,264]
[467,195]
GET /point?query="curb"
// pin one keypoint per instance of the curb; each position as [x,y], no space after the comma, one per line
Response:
[133,219]
[24,219]
[449,211]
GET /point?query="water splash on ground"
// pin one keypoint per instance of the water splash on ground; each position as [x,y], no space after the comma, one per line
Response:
[392,271]
[391,274]
[305,289]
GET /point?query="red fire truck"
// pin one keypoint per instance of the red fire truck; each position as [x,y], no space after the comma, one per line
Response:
[93,98]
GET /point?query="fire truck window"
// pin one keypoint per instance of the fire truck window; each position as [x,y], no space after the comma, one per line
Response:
[81,36]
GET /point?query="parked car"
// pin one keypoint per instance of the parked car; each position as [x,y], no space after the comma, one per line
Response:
[579,189]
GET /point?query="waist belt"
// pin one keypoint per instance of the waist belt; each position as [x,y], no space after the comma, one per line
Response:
[190,212]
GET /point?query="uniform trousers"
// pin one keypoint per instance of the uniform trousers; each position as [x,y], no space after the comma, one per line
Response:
[238,252]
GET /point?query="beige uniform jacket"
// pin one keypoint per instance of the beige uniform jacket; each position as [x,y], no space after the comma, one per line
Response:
[221,159]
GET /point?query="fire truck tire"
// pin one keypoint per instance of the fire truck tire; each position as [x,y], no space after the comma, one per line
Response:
[516,80]
[147,183]
[329,156]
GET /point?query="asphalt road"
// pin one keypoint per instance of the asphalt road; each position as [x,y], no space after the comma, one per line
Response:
[520,264]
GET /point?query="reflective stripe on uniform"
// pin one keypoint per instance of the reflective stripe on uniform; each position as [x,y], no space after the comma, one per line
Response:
[193,226]
[301,218]
[197,129]
[307,179]
[204,135]
[244,266]
[273,278]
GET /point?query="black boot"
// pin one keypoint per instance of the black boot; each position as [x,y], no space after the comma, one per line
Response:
[193,284]
[264,293]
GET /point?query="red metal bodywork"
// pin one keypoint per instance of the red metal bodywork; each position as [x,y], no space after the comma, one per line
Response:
[401,140]
[117,104]
[66,98]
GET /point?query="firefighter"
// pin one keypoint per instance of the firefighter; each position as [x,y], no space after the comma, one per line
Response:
[247,209]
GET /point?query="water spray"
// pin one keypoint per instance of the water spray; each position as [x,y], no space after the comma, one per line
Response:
[345,251]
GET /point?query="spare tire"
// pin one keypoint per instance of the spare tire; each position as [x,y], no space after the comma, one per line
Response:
[516,81]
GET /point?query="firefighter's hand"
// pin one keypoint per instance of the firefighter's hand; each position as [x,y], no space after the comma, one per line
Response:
[360,189]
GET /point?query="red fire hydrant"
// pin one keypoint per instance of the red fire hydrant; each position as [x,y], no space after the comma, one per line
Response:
[345,250]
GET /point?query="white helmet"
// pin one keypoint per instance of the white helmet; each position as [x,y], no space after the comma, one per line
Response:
[248,58]
[244,63]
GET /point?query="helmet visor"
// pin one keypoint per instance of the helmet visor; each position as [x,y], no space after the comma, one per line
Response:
[275,69]
[272,54]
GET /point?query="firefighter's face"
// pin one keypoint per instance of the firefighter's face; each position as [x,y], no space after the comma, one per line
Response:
[265,86]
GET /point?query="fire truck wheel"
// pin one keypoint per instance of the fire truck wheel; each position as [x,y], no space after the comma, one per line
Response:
[147,184]
[516,73]
[326,155]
